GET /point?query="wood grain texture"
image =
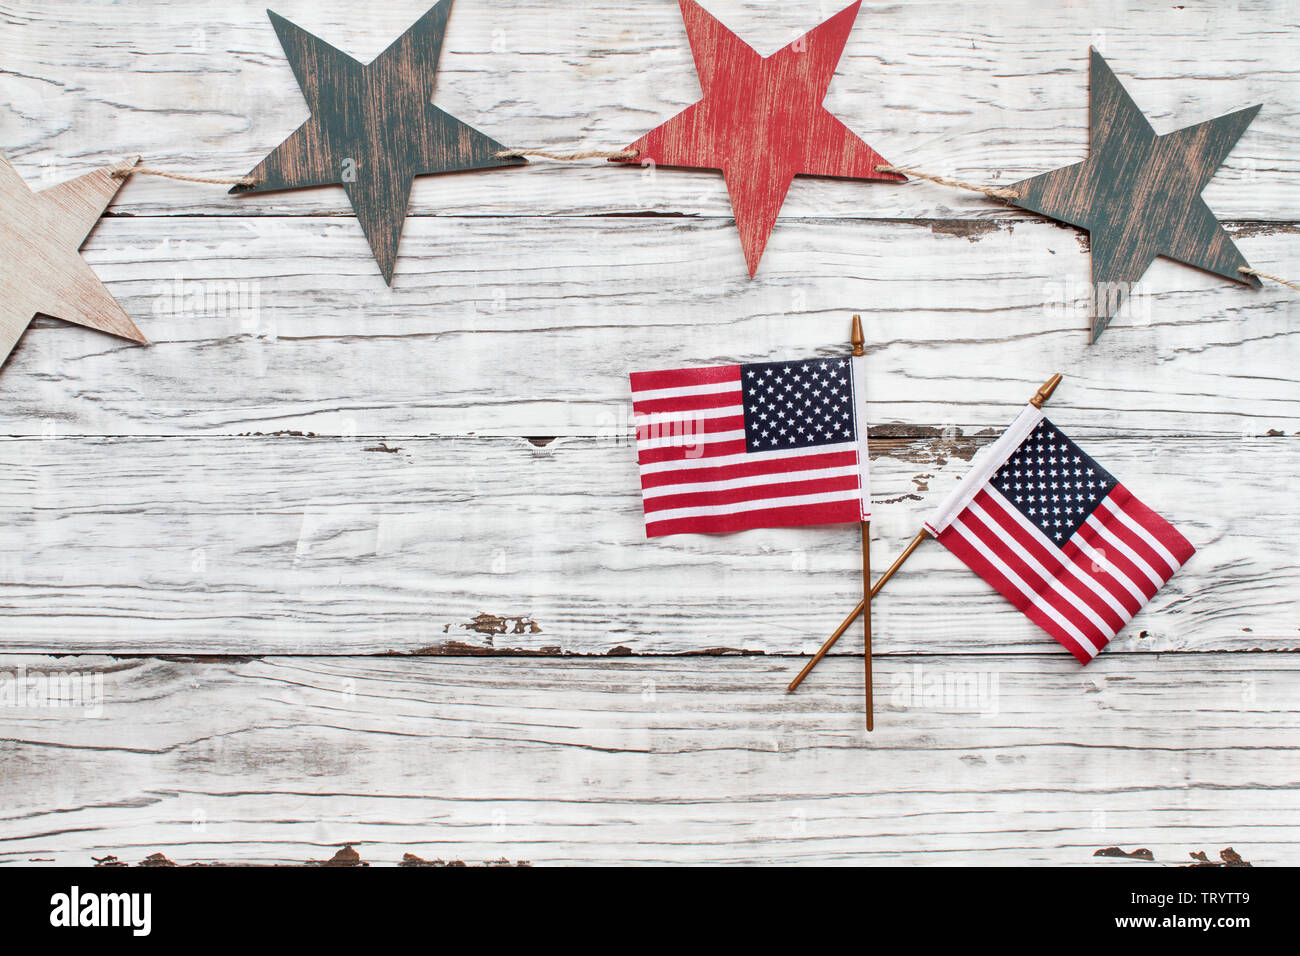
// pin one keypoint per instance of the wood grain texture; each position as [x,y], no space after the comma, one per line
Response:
[1139,194]
[297,545]
[761,121]
[373,128]
[41,270]
[273,324]
[999,760]
[436,511]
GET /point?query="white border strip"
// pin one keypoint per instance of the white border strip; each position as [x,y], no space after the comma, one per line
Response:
[990,461]
[858,380]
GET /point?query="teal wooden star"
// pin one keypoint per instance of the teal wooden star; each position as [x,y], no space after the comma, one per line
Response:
[1139,195]
[373,128]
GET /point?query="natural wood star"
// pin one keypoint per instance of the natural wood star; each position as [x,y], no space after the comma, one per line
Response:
[1139,194]
[761,121]
[373,128]
[41,270]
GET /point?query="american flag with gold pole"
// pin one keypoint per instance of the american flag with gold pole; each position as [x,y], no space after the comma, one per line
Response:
[1055,533]
[729,448]
[859,367]
[864,606]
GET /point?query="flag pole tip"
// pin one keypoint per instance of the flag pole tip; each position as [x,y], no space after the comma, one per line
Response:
[1046,391]
[858,340]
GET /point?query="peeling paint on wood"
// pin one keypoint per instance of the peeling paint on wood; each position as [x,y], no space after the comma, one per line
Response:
[1228,857]
[492,624]
[970,229]
[487,649]
[1139,854]
[410,859]
[1005,312]
[345,857]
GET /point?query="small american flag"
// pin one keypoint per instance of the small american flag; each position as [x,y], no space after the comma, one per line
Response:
[768,445]
[1059,536]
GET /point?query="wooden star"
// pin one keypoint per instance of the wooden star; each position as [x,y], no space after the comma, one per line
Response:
[762,121]
[41,270]
[373,128]
[1139,195]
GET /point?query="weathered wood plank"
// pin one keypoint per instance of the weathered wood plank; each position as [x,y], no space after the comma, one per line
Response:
[529,326]
[284,545]
[954,88]
[997,760]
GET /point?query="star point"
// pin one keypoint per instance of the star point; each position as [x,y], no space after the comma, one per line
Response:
[373,128]
[41,269]
[761,121]
[1138,194]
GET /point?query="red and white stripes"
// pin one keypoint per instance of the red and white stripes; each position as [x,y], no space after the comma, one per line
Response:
[1084,592]
[697,476]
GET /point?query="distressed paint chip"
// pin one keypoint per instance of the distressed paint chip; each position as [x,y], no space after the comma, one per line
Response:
[491,624]
[972,230]
[1139,854]
[345,856]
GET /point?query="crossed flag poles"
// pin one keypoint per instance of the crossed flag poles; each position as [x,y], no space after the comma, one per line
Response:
[1053,532]
[864,606]
[784,443]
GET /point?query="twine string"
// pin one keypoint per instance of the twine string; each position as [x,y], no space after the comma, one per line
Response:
[210,180]
[1010,195]
[1247,271]
[996,192]
[567,157]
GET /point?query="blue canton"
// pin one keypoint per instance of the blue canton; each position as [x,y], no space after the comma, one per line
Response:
[797,404]
[1052,482]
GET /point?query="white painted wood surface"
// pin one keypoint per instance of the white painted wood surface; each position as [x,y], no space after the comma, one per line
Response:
[530,326]
[469,457]
[294,545]
[994,760]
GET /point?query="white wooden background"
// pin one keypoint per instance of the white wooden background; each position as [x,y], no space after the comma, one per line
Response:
[367,565]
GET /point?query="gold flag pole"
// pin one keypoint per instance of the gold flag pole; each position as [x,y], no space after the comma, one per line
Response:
[1041,396]
[839,631]
[859,343]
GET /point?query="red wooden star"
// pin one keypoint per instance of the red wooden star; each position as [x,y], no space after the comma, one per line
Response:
[761,121]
